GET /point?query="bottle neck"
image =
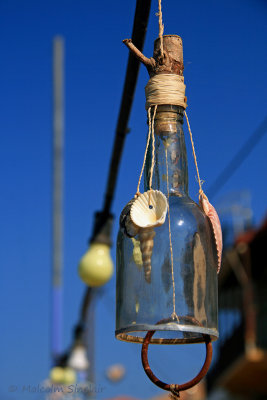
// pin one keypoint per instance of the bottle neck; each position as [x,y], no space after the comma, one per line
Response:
[170,152]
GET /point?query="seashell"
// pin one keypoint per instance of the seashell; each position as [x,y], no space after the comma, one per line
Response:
[126,224]
[146,238]
[211,213]
[131,229]
[149,209]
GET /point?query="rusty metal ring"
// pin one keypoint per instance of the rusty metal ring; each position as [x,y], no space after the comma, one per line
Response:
[175,388]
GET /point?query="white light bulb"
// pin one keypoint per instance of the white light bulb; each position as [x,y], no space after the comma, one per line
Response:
[78,359]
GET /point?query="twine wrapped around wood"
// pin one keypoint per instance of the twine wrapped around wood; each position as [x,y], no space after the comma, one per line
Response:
[165,89]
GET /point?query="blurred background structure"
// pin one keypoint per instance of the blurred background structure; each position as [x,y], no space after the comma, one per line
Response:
[225,73]
[58,158]
[241,364]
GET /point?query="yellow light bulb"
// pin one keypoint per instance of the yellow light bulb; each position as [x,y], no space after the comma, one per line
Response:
[57,375]
[60,375]
[96,266]
[69,376]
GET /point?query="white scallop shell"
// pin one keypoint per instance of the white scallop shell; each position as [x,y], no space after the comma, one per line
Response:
[149,209]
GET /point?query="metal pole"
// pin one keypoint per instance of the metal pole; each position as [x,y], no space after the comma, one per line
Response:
[58,145]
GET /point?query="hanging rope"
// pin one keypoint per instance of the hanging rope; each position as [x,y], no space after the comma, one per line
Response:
[161,28]
[153,148]
[153,153]
[170,89]
[174,315]
[201,193]
[150,133]
[147,144]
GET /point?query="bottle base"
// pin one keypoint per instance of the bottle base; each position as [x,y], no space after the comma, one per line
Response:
[166,333]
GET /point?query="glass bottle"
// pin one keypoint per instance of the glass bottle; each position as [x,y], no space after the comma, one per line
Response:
[180,301]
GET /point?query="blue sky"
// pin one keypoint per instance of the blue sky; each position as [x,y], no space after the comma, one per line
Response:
[225,57]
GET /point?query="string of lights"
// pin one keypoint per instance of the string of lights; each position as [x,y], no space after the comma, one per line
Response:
[102,228]
[139,32]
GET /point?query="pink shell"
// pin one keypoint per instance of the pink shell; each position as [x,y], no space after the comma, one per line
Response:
[211,213]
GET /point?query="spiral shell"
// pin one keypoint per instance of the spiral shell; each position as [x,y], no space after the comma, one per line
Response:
[211,213]
[146,238]
[149,209]
[140,216]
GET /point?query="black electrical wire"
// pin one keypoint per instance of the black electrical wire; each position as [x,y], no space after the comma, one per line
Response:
[238,159]
[138,37]
[141,17]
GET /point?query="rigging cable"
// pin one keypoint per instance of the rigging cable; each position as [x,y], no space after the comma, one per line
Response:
[238,159]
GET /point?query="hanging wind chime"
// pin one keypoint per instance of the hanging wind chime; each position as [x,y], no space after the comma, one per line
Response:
[169,248]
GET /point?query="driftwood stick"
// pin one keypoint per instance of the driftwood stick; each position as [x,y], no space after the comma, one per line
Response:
[148,62]
[170,63]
